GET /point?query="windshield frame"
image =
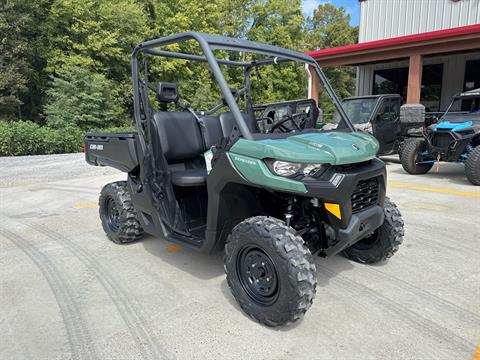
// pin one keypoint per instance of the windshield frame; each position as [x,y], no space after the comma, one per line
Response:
[208,43]
[376,103]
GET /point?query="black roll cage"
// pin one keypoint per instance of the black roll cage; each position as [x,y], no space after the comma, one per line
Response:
[208,43]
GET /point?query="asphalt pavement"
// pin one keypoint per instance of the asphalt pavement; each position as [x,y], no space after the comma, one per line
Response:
[66,292]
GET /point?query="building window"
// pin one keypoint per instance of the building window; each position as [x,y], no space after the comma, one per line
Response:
[391,81]
[471,81]
[431,94]
[395,81]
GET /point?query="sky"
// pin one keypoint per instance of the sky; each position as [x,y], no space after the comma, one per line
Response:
[351,6]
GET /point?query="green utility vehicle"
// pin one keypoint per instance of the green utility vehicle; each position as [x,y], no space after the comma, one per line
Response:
[269,196]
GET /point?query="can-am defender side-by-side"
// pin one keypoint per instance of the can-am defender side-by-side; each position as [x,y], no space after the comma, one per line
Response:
[455,138]
[269,196]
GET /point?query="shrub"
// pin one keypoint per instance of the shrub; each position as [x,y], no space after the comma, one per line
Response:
[60,141]
[19,138]
[28,138]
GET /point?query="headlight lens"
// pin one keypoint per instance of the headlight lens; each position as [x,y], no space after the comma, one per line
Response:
[284,168]
[288,169]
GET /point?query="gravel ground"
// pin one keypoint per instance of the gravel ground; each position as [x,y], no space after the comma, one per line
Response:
[66,292]
[23,170]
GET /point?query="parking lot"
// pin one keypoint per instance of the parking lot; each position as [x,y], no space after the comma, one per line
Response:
[67,292]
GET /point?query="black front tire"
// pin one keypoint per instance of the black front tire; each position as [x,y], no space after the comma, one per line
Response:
[270,271]
[472,166]
[119,218]
[383,243]
[409,157]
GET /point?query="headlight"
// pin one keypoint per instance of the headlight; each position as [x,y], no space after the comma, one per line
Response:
[284,168]
[288,169]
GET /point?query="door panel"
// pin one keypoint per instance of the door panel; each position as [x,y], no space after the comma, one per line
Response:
[386,125]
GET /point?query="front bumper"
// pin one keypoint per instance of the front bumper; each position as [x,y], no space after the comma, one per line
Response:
[448,144]
[361,225]
[338,184]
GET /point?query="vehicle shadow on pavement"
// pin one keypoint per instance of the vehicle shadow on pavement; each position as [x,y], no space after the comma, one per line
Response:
[329,268]
[209,266]
[452,173]
[390,160]
[202,266]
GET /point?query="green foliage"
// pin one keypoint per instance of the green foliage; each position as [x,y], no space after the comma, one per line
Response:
[23,47]
[279,22]
[65,63]
[330,27]
[79,97]
[99,34]
[29,138]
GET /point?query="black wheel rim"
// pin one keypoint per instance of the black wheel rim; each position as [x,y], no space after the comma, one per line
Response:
[112,215]
[258,275]
[366,243]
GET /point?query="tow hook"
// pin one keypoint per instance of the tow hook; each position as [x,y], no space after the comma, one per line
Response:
[288,217]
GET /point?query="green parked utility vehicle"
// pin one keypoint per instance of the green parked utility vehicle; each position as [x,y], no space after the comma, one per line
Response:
[270,195]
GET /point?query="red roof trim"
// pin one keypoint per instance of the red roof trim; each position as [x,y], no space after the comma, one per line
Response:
[370,45]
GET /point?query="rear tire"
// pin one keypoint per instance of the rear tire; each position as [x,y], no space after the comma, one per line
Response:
[472,166]
[119,218]
[383,243]
[270,271]
[409,157]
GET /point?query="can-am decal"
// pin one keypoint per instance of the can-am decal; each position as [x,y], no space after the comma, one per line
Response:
[96,147]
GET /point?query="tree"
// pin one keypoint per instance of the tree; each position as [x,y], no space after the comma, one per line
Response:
[22,48]
[330,27]
[99,35]
[44,38]
[281,23]
[82,98]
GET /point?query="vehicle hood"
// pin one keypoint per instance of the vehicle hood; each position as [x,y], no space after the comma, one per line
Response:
[461,118]
[335,147]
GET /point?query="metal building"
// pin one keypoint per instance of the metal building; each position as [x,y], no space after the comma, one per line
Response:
[424,50]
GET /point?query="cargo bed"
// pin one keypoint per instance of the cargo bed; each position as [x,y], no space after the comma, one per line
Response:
[118,150]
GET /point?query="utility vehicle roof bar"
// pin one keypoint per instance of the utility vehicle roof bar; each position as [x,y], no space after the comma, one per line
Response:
[210,42]
[200,38]
[176,55]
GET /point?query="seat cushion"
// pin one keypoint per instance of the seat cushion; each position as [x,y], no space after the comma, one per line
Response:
[190,177]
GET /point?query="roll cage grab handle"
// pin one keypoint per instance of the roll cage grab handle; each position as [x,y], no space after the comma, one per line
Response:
[208,42]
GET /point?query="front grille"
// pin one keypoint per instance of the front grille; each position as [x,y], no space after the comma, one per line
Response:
[441,140]
[365,195]
[349,167]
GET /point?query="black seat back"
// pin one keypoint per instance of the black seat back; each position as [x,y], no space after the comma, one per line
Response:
[227,122]
[212,131]
[179,135]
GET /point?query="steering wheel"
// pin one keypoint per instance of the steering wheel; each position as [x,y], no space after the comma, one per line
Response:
[279,125]
[264,124]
